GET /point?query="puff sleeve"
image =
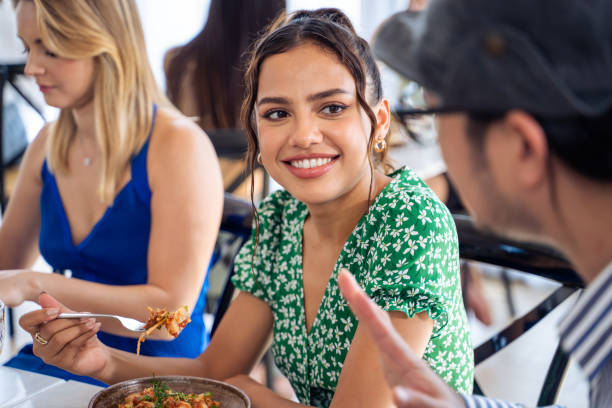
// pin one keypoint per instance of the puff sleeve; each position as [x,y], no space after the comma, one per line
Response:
[413,258]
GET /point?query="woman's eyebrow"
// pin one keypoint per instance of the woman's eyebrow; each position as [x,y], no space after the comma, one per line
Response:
[310,98]
[36,41]
[327,93]
[273,99]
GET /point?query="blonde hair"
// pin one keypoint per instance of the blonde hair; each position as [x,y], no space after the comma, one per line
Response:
[123,90]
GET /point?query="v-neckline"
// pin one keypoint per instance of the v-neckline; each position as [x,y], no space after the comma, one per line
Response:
[334,275]
[96,225]
[62,209]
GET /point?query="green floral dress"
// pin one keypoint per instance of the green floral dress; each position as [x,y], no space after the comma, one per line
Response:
[403,252]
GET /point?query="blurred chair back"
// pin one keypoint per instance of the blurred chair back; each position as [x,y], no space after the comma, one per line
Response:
[531,259]
[235,229]
[11,153]
[231,147]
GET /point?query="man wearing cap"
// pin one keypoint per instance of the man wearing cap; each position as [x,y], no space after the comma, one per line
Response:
[523,93]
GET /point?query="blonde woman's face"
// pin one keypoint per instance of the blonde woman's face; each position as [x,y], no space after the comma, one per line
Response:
[64,82]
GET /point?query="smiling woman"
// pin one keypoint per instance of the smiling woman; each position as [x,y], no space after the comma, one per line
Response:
[119,190]
[315,114]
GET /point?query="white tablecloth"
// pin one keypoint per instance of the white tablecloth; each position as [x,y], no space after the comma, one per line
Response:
[24,389]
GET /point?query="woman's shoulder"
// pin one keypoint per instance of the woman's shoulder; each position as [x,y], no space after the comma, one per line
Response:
[175,133]
[39,143]
[178,145]
[277,205]
[169,119]
[35,154]
[407,185]
[37,149]
[408,199]
[254,264]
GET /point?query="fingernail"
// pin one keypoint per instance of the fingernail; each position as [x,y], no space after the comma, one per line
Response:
[52,312]
[97,326]
[90,323]
[401,394]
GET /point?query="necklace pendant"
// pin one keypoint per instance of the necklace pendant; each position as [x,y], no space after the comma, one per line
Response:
[87,161]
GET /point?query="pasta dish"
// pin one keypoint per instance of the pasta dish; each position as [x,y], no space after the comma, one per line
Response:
[161,396]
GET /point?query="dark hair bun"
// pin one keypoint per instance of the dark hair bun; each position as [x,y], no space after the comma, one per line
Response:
[332,14]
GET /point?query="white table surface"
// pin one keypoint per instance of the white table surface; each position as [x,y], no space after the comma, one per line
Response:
[25,389]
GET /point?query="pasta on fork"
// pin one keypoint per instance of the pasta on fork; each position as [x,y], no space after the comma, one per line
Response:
[174,322]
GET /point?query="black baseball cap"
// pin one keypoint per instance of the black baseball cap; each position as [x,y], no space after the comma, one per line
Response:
[552,58]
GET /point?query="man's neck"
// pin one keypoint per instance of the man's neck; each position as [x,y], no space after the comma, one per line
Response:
[583,228]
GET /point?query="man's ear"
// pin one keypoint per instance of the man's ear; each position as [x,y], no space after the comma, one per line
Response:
[383,117]
[533,153]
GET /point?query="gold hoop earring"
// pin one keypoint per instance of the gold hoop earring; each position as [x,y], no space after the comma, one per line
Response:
[380,146]
[259,159]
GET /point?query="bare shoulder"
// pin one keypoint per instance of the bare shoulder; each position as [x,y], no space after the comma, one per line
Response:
[39,144]
[177,142]
[173,130]
[36,151]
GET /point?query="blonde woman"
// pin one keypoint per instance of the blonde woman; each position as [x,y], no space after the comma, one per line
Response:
[121,190]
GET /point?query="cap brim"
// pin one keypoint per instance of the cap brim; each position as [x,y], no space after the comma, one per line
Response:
[396,40]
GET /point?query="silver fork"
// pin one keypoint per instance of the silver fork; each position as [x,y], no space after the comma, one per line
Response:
[127,322]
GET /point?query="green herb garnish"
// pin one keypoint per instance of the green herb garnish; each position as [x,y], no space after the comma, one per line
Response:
[180,395]
[160,390]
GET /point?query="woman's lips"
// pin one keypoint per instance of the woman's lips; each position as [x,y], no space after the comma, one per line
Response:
[45,88]
[310,167]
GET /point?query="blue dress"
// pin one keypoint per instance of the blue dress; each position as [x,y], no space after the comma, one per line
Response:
[115,253]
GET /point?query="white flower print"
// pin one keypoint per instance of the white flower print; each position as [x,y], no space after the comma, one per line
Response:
[420,263]
[412,246]
[423,217]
